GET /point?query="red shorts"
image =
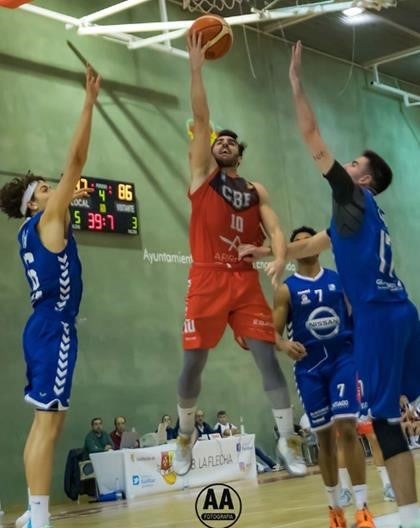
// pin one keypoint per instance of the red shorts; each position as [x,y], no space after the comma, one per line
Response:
[216,298]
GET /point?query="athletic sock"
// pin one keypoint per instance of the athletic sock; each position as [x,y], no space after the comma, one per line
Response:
[333,496]
[360,495]
[186,420]
[383,473]
[344,477]
[39,511]
[284,421]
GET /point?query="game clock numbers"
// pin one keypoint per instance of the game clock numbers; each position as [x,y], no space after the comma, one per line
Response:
[111,207]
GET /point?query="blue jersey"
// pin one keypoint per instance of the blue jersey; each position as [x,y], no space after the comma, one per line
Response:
[55,279]
[364,259]
[318,311]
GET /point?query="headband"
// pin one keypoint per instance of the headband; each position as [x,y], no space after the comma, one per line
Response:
[27,195]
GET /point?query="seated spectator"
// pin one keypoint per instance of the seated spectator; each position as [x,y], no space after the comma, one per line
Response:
[202,427]
[266,462]
[97,440]
[223,426]
[116,434]
[165,430]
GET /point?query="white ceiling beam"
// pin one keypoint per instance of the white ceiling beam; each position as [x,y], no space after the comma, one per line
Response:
[409,98]
[393,57]
[111,10]
[169,50]
[119,37]
[164,17]
[163,37]
[274,14]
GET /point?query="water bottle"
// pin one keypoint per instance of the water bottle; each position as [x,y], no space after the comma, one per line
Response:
[242,427]
[118,492]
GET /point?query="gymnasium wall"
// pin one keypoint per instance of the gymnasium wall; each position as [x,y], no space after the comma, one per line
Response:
[131,316]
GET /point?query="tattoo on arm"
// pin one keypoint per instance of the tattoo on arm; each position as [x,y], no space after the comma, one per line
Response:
[319,155]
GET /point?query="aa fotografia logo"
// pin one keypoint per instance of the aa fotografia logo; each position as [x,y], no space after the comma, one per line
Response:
[218,506]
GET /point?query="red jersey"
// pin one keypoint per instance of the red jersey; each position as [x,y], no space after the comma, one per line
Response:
[225,213]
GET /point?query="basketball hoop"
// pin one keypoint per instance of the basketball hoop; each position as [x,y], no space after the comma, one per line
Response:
[206,6]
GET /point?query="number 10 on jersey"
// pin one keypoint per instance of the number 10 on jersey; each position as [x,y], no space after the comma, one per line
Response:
[237,223]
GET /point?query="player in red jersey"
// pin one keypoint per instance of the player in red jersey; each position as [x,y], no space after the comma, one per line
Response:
[227,211]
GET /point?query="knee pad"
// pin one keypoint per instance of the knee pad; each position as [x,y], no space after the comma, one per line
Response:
[390,438]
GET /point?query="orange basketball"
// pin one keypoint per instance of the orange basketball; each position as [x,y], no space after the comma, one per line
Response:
[13,4]
[216,35]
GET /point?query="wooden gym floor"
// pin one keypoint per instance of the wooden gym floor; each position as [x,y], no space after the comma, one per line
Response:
[276,501]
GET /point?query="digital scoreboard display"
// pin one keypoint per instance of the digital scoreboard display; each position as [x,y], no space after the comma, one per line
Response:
[111,207]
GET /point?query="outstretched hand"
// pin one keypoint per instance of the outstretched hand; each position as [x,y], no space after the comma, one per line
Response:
[82,193]
[195,50]
[275,270]
[295,64]
[93,84]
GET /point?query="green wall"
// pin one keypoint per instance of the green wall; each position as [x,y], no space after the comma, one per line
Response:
[131,316]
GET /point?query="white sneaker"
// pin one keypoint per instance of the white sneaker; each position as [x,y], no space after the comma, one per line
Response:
[182,460]
[29,525]
[389,495]
[346,497]
[23,519]
[294,464]
[260,468]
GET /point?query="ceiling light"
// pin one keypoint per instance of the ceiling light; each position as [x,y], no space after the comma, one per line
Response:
[353,11]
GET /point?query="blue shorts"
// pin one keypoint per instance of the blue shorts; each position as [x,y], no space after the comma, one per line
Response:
[328,389]
[387,354]
[50,347]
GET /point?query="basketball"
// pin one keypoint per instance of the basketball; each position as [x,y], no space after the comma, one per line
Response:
[216,35]
[13,4]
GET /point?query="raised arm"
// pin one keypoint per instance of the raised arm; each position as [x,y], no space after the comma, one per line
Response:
[55,216]
[306,119]
[272,228]
[63,194]
[345,192]
[309,247]
[201,159]
[294,349]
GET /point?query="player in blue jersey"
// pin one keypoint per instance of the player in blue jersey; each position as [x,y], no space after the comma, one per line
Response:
[49,255]
[386,325]
[312,305]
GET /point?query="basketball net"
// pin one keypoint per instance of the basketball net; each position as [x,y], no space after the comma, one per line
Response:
[209,5]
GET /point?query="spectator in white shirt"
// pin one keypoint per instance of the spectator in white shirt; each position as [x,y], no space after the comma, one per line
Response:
[223,426]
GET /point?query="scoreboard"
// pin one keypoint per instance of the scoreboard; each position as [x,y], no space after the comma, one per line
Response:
[111,207]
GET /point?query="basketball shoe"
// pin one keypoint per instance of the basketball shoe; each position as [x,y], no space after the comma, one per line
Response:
[182,460]
[294,465]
